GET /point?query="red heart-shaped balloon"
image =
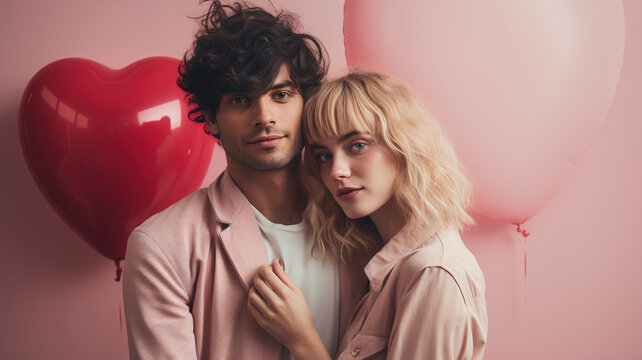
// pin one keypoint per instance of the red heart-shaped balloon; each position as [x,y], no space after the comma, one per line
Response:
[109,148]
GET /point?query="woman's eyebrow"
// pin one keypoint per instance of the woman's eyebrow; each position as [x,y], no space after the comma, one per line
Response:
[317,146]
[342,138]
[348,135]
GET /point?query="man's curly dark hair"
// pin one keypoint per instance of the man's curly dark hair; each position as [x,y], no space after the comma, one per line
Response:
[240,48]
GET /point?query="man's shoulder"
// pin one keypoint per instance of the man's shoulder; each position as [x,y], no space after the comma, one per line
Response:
[188,211]
[190,224]
[181,228]
[202,207]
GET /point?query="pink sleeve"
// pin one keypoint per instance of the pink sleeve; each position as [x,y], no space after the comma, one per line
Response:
[432,320]
[159,322]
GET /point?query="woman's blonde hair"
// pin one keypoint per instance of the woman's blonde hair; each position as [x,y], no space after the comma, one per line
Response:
[431,187]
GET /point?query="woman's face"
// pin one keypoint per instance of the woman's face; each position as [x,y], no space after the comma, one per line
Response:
[359,173]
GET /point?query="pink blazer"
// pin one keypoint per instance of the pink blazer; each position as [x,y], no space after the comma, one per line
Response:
[187,274]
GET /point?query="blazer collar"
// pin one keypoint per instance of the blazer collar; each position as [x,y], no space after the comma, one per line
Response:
[226,198]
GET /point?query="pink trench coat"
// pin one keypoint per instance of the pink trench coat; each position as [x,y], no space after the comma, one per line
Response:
[186,279]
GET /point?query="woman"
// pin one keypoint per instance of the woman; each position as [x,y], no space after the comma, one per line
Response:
[383,179]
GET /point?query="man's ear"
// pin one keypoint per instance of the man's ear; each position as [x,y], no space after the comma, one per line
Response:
[211,125]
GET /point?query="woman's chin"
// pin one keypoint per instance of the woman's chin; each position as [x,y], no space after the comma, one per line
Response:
[354,214]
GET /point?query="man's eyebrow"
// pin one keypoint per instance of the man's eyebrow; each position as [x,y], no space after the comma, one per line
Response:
[282,85]
[342,138]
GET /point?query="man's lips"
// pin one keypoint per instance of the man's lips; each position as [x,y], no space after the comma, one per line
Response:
[267,141]
[348,193]
[265,138]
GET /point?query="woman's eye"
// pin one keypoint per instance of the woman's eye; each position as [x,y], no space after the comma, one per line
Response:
[357,146]
[323,157]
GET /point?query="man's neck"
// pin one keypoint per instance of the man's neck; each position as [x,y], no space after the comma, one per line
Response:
[277,194]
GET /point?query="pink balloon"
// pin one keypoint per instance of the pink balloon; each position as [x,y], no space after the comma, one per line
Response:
[520,86]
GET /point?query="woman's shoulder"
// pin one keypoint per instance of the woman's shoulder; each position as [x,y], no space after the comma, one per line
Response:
[444,256]
[434,249]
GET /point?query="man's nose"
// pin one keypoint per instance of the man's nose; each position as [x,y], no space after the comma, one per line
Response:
[264,112]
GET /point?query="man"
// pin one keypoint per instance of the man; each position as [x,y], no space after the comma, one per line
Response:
[189,268]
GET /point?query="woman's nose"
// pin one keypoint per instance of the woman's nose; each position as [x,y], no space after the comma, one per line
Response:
[340,167]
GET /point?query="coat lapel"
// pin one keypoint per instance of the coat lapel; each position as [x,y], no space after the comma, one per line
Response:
[244,246]
[242,238]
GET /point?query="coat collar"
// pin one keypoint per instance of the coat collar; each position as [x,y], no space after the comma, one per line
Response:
[226,198]
[400,245]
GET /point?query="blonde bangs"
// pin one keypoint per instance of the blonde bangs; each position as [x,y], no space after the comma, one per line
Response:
[342,110]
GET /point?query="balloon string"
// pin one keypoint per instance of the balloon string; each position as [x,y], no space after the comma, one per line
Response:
[119,269]
[525,234]
[120,321]
[122,337]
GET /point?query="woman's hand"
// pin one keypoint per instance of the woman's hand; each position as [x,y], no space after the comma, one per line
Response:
[279,307]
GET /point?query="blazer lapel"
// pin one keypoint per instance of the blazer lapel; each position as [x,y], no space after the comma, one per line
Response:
[241,239]
[243,244]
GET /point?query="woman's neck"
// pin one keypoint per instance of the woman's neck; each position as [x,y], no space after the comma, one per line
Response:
[388,220]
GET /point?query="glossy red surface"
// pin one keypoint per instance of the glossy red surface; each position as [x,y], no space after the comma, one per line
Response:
[109,148]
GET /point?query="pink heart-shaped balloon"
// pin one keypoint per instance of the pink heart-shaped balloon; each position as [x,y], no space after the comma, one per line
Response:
[109,148]
[520,86]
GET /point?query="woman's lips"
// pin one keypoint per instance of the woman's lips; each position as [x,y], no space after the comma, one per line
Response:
[348,194]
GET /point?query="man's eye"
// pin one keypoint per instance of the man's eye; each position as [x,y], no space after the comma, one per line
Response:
[238,100]
[282,95]
[323,157]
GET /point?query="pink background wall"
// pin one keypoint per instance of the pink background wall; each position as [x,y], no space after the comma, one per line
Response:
[581,299]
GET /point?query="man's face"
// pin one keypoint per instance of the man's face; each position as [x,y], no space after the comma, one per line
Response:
[261,131]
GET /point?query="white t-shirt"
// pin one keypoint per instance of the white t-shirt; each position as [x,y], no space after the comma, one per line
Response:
[317,279]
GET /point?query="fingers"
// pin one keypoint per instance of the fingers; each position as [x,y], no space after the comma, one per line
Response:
[266,292]
[266,274]
[256,314]
[282,275]
[257,306]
